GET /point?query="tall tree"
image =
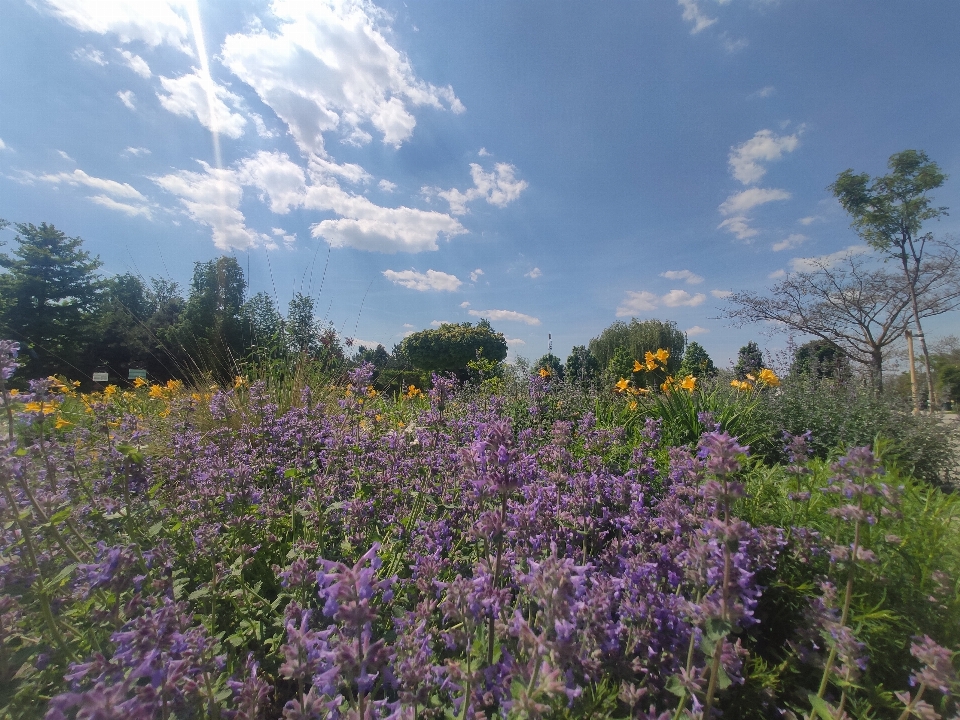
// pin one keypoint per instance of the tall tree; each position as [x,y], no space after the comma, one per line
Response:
[636,338]
[582,366]
[851,302]
[451,346]
[749,360]
[697,362]
[211,327]
[49,290]
[889,211]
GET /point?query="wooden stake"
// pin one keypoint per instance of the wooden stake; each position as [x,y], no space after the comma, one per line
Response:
[913,373]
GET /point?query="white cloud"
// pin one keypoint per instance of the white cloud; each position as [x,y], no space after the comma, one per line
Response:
[732,45]
[696,330]
[739,226]
[212,198]
[387,186]
[515,341]
[681,298]
[3,145]
[438,323]
[534,274]
[694,14]
[136,151]
[777,274]
[636,302]
[328,67]
[791,241]
[499,188]
[809,220]
[110,187]
[475,274]
[746,200]
[510,315]
[278,231]
[810,264]
[195,96]
[690,277]
[386,230]
[483,152]
[66,157]
[276,177]
[136,63]
[465,304]
[125,208]
[763,92]
[764,146]
[261,127]
[127,97]
[408,326]
[154,22]
[431,280]
[90,54]
[721,294]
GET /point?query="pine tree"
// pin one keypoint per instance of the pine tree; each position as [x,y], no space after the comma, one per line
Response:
[49,292]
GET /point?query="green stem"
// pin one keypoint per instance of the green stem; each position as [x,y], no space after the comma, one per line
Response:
[913,701]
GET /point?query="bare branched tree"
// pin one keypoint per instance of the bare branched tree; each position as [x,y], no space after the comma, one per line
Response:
[853,302]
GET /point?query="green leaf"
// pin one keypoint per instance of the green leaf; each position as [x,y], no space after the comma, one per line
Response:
[64,574]
[825,709]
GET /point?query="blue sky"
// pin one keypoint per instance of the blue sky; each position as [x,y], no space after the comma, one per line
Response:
[552,166]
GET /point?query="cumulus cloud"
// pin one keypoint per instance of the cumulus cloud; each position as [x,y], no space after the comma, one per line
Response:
[745,159]
[499,188]
[475,274]
[809,220]
[212,198]
[430,280]
[90,54]
[136,63]
[3,145]
[690,277]
[465,304]
[136,151]
[482,152]
[261,127]
[387,186]
[127,97]
[534,274]
[809,264]
[328,67]
[696,330]
[155,22]
[509,315]
[65,156]
[777,274]
[694,14]
[721,294]
[744,201]
[791,241]
[636,302]
[188,96]
[739,226]
[515,341]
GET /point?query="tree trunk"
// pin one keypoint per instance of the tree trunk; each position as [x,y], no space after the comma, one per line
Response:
[876,371]
[911,286]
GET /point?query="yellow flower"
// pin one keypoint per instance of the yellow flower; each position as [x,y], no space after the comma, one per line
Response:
[642,391]
[689,383]
[239,382]
[412,392]
[109,390]
[662,355]
[139,382]
[371,392]
[61,423]
[741,385]
[751,378]
[156,391]
[173,385]
[769,377]
[14,392]
[638,366]
[544,372]
[400,423]
[651,361]
[633,405]
[378,418]
[76,383]
[622,385]
[164,413]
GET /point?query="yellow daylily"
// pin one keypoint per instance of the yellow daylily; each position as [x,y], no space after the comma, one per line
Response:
[239,382]
[622,385]
[371,392]
[769,377]
[667,384]
[633,405]
[544,372]
[662,355]
[39,407]
[14,392]
[751,378]
[638,366]
[741,385]
[689,383]
[174,385]
[61,423]
[139,382]
[412,392]
[156,391]
[109,391]
[651,361]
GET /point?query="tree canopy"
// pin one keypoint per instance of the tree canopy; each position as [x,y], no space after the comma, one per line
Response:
[451,346]
[638,337]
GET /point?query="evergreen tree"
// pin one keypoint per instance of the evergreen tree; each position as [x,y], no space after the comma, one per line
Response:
[49,292]
[119,331]
[825,358]
[749,361]
[551,363]
[697,362]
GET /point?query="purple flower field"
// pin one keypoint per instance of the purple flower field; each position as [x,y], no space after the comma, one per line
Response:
[187,553]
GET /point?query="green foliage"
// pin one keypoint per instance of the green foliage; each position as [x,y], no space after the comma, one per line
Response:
[49,292]
[582,366]
[697,362]
[552,364]
[638,337]
[823,358]
[451,346]
[619,366]
[749,361]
